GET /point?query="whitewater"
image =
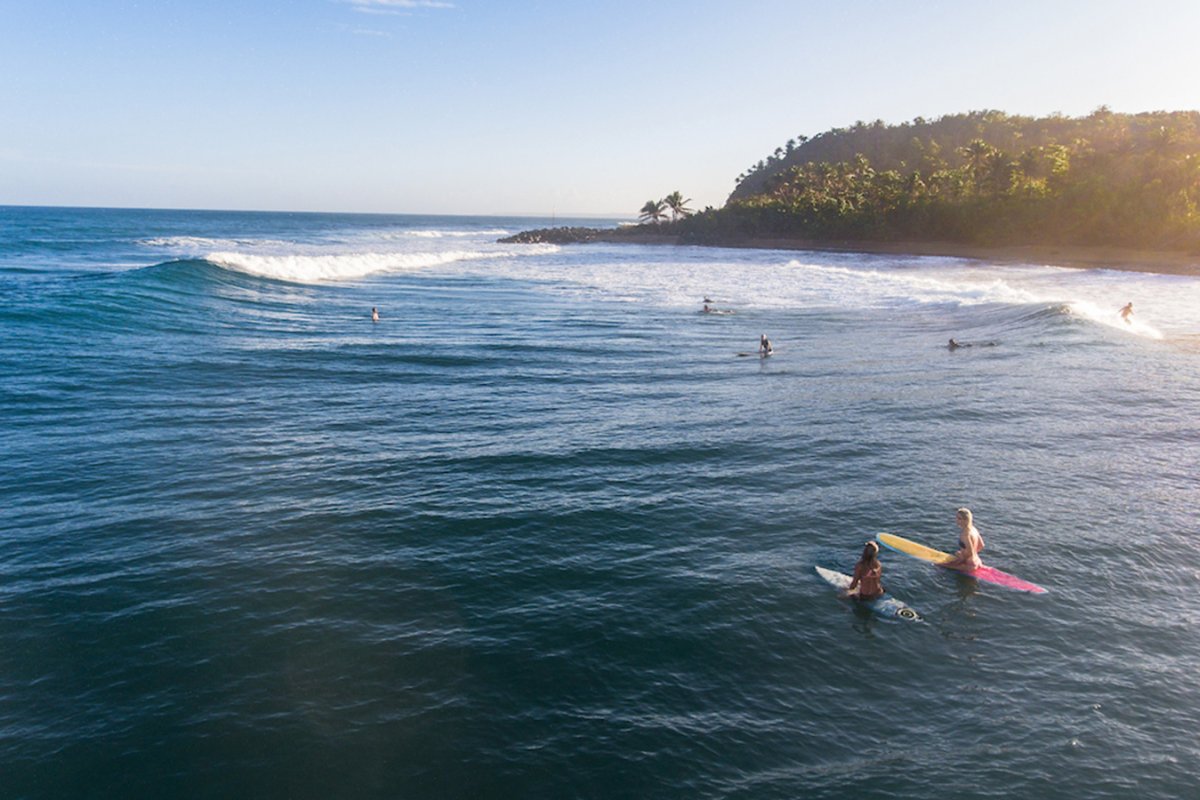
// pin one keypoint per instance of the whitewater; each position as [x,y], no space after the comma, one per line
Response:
[775,280]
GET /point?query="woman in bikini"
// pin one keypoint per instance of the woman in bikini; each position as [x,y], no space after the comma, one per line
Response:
[969,543]
[867,583]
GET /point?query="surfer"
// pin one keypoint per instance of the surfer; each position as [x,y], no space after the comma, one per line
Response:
[764,346]
[374,314]
[1126,313]
[867,583]
[969,542]
[955,344]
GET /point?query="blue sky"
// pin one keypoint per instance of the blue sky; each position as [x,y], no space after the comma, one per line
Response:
[538,107]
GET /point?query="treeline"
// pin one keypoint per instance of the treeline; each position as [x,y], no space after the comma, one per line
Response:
[983,178]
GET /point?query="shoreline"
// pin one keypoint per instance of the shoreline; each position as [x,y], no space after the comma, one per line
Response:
[1124,259]
[1069,256]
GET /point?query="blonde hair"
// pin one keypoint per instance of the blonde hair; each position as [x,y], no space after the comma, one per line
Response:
[965,513]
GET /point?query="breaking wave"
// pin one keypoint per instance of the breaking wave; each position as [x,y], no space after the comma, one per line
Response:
[314,268]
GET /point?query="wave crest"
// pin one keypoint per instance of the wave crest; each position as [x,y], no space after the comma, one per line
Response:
[312,269]
[433,234]
[197,244]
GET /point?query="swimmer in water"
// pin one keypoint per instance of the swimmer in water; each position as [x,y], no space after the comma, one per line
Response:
[867,583]
[764,346]
[374,314]
[955,344]
[1126,313]
[969,543]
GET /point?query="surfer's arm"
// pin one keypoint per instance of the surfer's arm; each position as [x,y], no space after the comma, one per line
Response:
[853,587]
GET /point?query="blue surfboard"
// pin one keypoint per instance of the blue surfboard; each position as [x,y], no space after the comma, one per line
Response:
[885,606]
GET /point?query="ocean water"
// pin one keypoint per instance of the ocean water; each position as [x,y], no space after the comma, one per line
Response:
[540,533]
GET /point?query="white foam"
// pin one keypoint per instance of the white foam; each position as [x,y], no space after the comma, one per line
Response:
[195,245]
[1106,316]
[875,287]
[680,277]
[340,267]
[756,282]
[434,234]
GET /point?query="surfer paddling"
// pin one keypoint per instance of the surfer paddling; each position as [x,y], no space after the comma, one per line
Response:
[1126,313]
[955,344]
[867,583]
[969,543]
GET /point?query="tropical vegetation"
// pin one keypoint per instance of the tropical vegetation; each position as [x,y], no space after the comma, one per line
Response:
[655,211]
[984,177]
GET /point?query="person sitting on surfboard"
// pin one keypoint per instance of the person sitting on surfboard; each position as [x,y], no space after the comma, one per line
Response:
[867,583]
[764,346]
[969,543]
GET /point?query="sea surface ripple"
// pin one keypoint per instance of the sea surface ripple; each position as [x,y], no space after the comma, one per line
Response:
[540,532]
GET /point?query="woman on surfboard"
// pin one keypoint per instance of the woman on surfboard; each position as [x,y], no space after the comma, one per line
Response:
[867,583]
[969,542]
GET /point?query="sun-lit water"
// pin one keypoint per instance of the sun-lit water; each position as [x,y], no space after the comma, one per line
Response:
[540,533]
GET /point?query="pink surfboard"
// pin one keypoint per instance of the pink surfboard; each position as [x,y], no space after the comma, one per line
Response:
[984,573]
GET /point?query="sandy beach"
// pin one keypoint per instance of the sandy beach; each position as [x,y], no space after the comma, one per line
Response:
[1159,262]
[1128,259]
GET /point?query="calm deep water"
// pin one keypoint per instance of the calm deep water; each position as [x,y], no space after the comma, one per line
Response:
[540,533]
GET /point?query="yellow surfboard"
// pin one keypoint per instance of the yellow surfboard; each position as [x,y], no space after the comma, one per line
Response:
[914,549]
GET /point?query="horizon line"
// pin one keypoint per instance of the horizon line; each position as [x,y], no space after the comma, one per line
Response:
[522,215]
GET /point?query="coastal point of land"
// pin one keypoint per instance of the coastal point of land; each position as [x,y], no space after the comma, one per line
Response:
[1106,191]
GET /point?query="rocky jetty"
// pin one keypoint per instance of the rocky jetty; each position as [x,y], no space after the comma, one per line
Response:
[627,234]
[563,235]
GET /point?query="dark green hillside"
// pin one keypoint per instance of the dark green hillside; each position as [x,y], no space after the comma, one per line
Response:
[981,178]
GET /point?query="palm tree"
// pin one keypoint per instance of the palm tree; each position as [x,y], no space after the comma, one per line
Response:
[677,204]
[654,211]
[977,155]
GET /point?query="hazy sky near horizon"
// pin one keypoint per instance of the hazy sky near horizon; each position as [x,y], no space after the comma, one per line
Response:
[524,107]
